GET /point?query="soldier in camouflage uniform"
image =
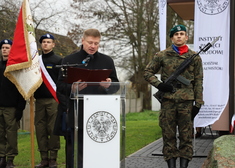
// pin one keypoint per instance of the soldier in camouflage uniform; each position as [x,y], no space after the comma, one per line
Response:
[184,102]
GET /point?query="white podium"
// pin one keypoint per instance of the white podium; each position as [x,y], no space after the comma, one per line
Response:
[99,114]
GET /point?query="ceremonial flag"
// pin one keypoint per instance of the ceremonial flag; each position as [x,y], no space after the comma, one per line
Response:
[23,68]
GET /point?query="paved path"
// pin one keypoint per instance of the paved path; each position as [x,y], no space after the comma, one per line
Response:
[151,155]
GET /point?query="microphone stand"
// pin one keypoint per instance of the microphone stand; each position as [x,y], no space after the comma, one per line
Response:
[64,68]
[69,134]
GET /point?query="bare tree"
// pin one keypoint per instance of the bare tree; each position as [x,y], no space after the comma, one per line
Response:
[50,16]
[9,13]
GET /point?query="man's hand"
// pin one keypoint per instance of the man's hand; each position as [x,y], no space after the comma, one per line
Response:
[79,86]
[163,87]
[106,83]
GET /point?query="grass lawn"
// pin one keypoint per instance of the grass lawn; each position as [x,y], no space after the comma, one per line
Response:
[24,157]
[141,129]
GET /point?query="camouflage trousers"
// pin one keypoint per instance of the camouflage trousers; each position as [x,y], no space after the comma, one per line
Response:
[176,114]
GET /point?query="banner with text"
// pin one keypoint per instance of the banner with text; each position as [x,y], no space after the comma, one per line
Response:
[212,19]
[162,24]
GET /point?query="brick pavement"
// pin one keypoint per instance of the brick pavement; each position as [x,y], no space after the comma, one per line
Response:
[151,156]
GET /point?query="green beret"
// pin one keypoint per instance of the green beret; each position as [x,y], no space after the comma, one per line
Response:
[176,29]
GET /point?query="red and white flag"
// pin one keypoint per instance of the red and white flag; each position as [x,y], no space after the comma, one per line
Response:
[48,81]
[23,68]
[232,124]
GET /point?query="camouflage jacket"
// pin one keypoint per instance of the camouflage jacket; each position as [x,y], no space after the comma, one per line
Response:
[167,61]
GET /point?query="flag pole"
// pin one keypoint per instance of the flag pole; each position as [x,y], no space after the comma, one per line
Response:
[32,129]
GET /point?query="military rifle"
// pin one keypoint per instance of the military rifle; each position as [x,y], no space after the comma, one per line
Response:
[176,75]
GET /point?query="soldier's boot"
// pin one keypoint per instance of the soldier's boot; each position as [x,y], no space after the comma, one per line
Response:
[183,163]
[171,163]
[52,161]
[10,164]
[3,162]
[43,163]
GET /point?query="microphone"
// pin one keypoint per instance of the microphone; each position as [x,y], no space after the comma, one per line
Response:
[87,59]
